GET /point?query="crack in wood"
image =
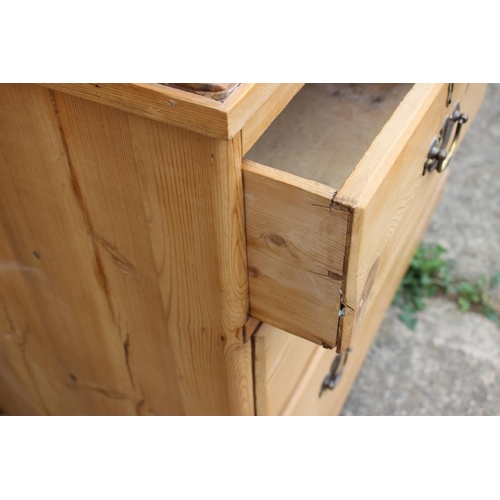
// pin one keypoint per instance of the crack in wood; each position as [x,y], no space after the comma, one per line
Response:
[9,319]
[86,216]
[109,393]
[126,346]
[125,266]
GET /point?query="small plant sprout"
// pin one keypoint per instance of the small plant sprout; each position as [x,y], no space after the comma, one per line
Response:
[429,275]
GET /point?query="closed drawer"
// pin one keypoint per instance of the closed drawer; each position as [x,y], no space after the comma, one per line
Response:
[290,374]
[336,201]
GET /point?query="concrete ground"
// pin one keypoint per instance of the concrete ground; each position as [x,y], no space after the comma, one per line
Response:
[450,365]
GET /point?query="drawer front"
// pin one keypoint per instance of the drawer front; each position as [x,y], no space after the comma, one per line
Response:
[319,257]
[390,200]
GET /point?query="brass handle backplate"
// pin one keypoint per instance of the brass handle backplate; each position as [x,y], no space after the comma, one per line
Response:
[437,157]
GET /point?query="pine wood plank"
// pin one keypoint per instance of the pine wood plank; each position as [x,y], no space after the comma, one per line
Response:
[70,359]
[137,302]
[185,191]
[246,101]
[295,247]
[388,195]
[199,242]
[157,102]
[184,109]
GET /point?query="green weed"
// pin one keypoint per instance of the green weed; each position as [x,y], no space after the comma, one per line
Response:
[429,275]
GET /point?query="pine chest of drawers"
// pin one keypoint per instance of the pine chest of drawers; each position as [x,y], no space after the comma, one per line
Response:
[209,249]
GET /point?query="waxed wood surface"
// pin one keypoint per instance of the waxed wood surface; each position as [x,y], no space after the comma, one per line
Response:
[124,288]
[157,102]
[182,108]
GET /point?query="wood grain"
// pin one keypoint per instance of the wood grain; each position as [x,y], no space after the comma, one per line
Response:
[182,108]
[157,102]
[295,247]
[190,203]
[137,300]
[246,101]
[54,303]
[388,195]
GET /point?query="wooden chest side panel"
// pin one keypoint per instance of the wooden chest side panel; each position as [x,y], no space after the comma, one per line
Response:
[63,351]
[138,300]
[295,246]
[170,200]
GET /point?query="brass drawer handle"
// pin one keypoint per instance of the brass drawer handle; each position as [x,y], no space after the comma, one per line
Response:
[336,371]
[437,157]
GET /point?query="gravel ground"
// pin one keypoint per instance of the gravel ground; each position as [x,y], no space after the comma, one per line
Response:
[450,365]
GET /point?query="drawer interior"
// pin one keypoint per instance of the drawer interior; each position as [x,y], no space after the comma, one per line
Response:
[326,129]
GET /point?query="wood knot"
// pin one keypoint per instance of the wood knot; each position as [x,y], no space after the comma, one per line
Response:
[370,280]
[277,240]
[253,271]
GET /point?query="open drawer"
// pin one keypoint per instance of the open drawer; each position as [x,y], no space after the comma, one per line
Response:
[336,199]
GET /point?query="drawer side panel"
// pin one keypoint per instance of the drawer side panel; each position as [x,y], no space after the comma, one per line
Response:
[296,247]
